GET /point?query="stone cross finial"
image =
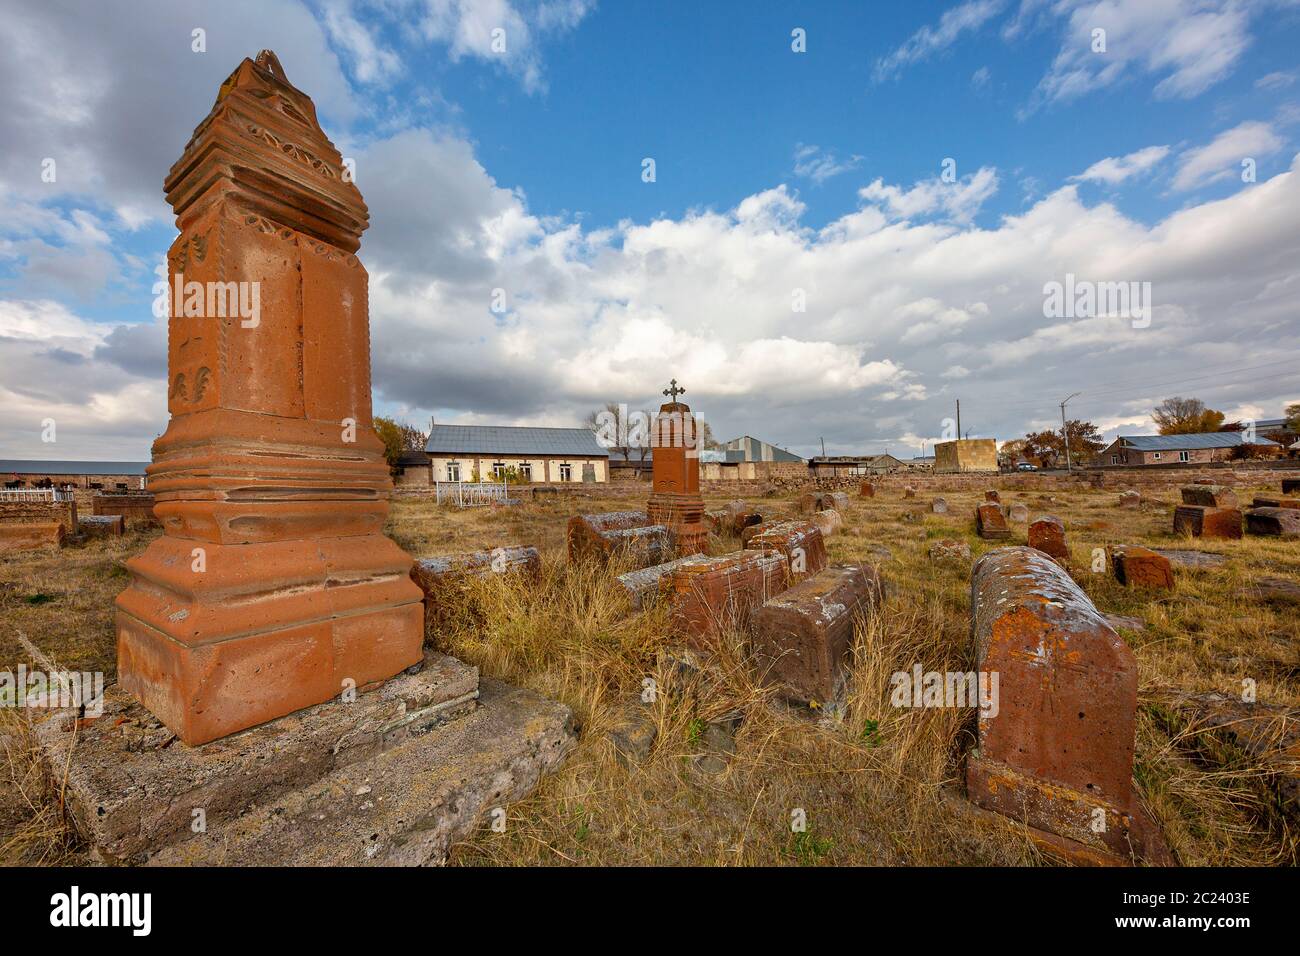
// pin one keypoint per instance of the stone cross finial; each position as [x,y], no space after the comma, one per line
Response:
[674,391]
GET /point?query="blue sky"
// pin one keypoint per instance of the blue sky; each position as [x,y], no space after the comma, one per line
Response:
[775,170]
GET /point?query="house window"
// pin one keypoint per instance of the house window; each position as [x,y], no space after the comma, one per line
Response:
[453,471]
[1184,456]
[526,471]
[1156,456]
[566,472]
[1114,459]
[498,470]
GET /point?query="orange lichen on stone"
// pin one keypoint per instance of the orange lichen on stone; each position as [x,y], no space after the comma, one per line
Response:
[1057,752]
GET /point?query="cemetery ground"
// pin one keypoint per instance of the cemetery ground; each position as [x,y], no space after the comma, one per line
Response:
[878,784]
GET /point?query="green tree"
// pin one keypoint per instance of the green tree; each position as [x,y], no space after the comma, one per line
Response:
[1185,416]
[390,433]
[1293,418]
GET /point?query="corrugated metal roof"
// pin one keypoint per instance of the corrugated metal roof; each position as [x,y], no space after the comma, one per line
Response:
[1188,442]
[22,466]
[512,440]
[755,449]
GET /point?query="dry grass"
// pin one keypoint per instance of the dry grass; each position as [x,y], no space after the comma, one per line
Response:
[875,781]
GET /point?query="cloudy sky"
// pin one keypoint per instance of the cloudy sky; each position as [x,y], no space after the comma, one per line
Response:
[912,178]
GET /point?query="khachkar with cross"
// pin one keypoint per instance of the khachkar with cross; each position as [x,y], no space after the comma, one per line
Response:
[675,499]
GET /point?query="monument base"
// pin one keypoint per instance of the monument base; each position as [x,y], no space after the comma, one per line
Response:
[263,629]
[683,515]
[1064,823]
[395,777]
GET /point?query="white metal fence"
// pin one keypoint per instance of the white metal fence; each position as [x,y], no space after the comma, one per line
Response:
[471,494]
[35,494]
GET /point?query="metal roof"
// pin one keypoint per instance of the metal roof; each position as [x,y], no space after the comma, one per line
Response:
[512,440]
[22,466]
[1187,442]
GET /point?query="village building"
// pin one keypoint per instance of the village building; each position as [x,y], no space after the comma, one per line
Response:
[506,452]
[91,475]
[742,459]
[1274,429]
[1130,450]
[839,466]
[966,455]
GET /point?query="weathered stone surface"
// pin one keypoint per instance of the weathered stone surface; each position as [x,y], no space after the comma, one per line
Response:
[717,744]
[445,578]
[675,500]
[269,464]
[137,507]
[1274,522]
[586,533]
[1122,622]
[990,522]
[991,494]
[131,789]
[1130,499]
[29,523]
[939,506]
[835,501]
[1276,503]
[633,734]
[1204,522]
[1209,496]
[809,503]
[737,516]
[828,522]
[102,526]
[909,492]
[31,537]
[1017,512]
[408,806]
[866,490]
[1259,734]
[1274,590]
[710,594]
[950,550]
[1047,534]
[1058,753]
[1135,566]
[643,585]
[803,637]
[1191,559]
[800,542]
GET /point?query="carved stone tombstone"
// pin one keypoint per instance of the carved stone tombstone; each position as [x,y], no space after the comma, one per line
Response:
[273,586]
[675,497]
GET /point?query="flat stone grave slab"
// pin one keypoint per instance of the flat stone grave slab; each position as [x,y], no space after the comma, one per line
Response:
[132,787]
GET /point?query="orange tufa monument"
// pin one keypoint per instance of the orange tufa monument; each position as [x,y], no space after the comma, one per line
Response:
[273,587]
[675,500]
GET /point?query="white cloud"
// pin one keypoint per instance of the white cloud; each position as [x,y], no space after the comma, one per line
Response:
[1278,80]
[811,162]
[1221,158]
[959,201]
[1116,169]
[1188,46]
[981,77]
[967,17]
[500,31]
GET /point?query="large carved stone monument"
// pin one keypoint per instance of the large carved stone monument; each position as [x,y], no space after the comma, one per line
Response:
[675,499]
[273,586]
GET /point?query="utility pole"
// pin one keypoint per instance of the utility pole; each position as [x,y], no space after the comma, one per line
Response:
[959,418]
[823,447]
[1065,434]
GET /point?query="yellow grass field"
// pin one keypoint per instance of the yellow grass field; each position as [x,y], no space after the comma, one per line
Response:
[879,785]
